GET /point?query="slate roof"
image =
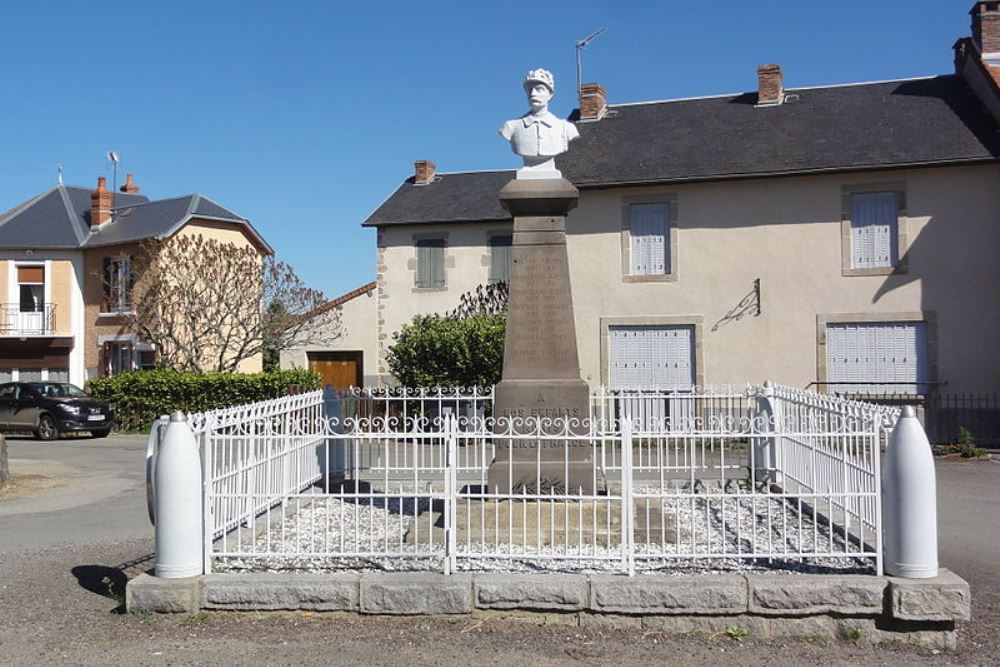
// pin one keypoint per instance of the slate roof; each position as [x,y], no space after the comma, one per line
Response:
[913,122]
[60,218]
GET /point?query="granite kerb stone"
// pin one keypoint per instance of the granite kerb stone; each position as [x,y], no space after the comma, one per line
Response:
[945,597]
[651,594]
[784,595]
[416,593]
[147,593]
[564,592]
[275,591]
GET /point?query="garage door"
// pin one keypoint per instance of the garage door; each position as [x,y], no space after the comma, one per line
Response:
[877,358]
[652,370]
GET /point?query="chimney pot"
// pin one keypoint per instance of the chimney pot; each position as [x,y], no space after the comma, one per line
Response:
[424,171]
[101,203]
[770,90]
[986,29]
[130,185]
[593,101]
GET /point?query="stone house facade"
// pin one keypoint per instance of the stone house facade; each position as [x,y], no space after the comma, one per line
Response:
[842,238]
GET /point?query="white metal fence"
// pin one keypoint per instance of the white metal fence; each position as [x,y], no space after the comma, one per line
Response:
[717,478]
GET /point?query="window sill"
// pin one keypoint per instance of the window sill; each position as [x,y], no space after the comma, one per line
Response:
[116,313]
[431,289]
[657,278]
[874,271]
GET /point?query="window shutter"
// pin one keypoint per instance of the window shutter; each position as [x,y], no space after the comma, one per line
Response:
[430,263]
[873,230]
[648,229]
[500,253]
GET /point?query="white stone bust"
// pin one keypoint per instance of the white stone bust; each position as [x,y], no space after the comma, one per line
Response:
[539,135]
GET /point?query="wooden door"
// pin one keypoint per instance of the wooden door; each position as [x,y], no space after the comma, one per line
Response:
[338,369]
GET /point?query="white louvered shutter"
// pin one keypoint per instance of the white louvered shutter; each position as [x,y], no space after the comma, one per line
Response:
[873,230]
[891,356]
[648,229]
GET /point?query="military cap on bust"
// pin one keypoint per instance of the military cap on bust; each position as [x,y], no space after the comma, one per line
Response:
[542,76]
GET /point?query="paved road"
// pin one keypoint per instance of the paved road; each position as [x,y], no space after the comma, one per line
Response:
[85,523]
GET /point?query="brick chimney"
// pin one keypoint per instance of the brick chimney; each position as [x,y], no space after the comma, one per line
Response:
[130,185]
[101,202]
[769,89]
[424,171]
[593,101]
[986,30]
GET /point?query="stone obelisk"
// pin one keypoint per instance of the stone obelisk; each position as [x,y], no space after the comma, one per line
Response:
[541,367]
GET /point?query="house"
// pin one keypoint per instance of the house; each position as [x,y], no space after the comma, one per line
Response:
[842,238]
[346,325]
[66,276]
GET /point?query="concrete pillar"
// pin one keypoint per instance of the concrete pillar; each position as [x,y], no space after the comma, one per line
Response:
[909,502]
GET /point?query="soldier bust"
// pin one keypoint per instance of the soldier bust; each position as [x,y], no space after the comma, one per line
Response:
[539,135]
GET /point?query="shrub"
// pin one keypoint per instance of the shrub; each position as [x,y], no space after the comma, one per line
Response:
[965,446]
[436,351]
[139,397]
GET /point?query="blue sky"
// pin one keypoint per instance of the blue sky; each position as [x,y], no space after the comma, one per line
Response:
[305,116]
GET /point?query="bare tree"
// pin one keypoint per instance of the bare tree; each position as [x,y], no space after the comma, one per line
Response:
[207,306]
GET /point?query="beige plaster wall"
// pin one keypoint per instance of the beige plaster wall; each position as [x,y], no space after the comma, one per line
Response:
[61,293]
[357,333]
[97,324]
[787,233]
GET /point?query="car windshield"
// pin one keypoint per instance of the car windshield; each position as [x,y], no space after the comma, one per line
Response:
[58,390]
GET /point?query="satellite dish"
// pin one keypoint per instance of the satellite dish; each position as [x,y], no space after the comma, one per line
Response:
[113,157]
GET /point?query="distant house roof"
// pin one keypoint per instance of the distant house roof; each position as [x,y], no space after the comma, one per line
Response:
[341,300]
[865,126]
[60,219]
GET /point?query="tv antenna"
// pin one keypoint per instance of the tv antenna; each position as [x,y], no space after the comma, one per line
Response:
[580,44]
[114,159]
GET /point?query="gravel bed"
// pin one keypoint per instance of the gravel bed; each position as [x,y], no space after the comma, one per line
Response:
[307,530]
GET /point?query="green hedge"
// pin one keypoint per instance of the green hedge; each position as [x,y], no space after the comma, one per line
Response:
[140,397]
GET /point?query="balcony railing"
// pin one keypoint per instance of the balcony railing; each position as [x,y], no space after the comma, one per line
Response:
[15,322]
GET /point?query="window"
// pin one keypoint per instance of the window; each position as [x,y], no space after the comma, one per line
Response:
[873,230]
[877,357]
[500,252]
[649,238]
[430,263]
[117,284]
[650,241]
[118,357]
[31,288]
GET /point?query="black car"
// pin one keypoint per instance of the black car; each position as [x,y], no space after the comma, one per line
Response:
[50,408]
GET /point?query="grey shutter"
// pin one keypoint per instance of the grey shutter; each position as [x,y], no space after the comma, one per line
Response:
[891,356]
[500,252]
[873,230]
[430,263]
[648,230]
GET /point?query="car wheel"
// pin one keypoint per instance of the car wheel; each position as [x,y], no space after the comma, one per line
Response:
[47,429]
[100,433]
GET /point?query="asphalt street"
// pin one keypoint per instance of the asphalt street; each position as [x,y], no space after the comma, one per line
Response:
[74,527]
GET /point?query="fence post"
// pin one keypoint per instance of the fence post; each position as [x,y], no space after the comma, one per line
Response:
[909,501]
[765,447]
[450,492]
[178,487]
[628,522]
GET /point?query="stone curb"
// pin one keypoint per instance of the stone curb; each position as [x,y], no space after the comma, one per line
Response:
[774,605]
[532,591]
[819,594]
[147,593]
[946,597]
[318,592]
[651,594]
[416,593]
